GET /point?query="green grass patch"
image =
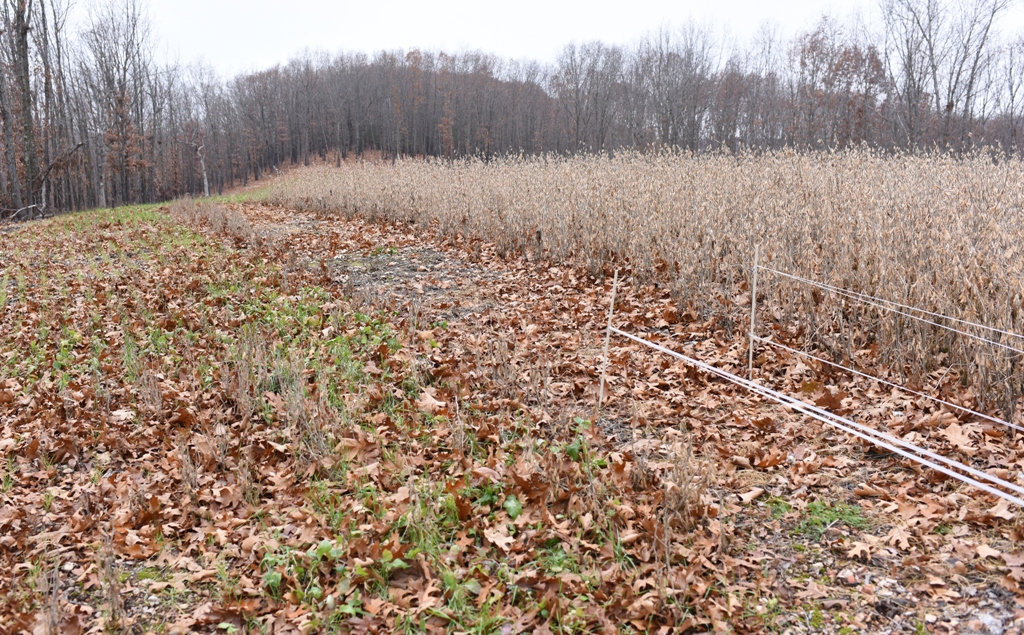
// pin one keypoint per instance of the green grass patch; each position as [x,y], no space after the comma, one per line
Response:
[819,516]
[779,506]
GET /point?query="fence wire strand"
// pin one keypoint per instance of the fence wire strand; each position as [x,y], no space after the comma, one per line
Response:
[889,383]
[888,305]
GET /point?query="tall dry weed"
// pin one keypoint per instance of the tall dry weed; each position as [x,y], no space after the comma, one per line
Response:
[220,218]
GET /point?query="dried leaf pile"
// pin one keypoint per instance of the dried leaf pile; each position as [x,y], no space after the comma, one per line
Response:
[238,417]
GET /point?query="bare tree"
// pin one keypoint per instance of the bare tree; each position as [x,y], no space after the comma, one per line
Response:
[91,119]
[941,49]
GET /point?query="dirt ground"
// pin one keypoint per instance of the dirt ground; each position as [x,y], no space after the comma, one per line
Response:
[278,422]
[918,563]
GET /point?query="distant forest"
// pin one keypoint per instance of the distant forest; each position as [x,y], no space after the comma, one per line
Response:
[89,118]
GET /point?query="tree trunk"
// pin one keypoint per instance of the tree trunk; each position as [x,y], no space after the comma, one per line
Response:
[202,165]
[21,28]
[12,161]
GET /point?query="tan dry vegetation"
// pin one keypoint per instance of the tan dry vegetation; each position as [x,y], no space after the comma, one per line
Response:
[221,219]
[934,232]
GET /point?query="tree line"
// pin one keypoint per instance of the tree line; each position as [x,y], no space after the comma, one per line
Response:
[90,118]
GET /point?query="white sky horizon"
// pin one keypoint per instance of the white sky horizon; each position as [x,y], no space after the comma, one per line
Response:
[234,36]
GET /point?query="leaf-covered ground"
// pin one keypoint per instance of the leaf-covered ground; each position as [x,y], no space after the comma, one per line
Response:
[234,417]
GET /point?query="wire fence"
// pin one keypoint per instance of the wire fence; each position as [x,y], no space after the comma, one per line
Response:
[893,307]
[891,384]
[902,309]
[950,467]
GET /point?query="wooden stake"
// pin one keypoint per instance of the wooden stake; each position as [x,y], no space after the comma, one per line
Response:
[753,313]
[607,338]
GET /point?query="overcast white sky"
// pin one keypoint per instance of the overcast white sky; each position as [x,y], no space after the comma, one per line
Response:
[240,35]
